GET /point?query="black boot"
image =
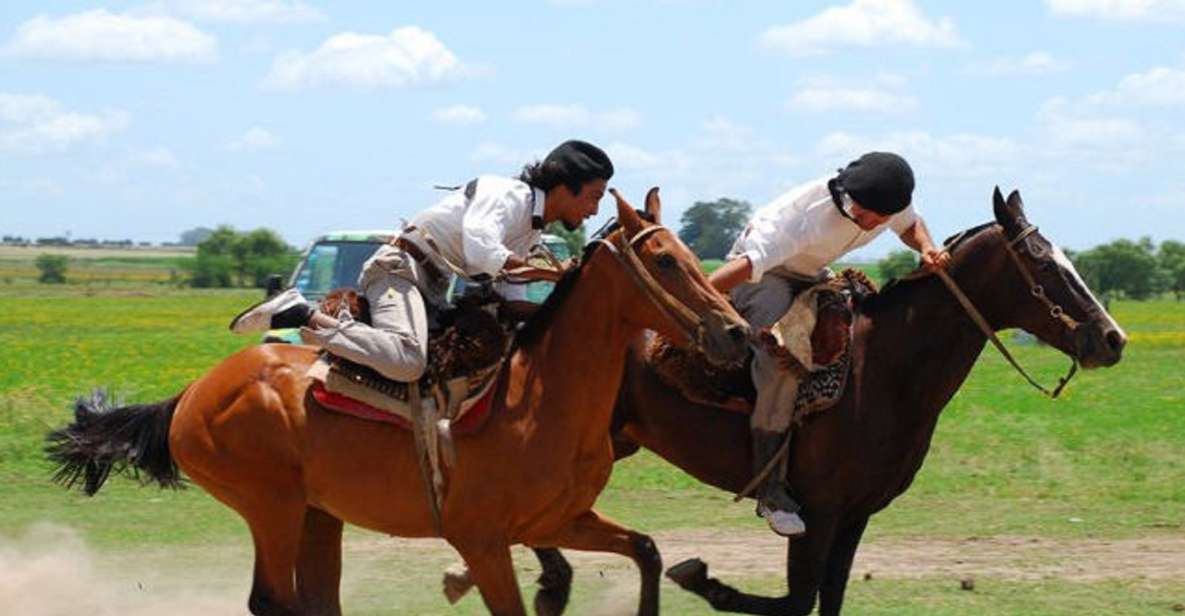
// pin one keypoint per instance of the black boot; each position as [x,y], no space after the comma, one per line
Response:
[774,502]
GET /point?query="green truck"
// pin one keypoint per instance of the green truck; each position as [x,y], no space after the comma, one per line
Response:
[335,260]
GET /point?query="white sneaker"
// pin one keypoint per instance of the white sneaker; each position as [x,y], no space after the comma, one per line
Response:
[781,522]
[258,318]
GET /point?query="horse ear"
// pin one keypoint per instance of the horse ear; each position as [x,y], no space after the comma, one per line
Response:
[654,205]
[1015,204]
[629,219]
[999,208]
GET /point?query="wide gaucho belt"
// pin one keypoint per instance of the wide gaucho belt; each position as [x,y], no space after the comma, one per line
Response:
[418,254]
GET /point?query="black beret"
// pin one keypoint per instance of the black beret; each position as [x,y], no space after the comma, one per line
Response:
[879,181]
[579,159]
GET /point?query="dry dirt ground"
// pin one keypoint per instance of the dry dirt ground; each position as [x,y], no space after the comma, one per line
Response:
[51,571]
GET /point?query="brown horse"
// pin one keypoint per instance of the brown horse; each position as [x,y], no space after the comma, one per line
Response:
[913,347]
[249,433]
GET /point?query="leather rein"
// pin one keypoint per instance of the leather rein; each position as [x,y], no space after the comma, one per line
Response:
[685,319]
[1036,290]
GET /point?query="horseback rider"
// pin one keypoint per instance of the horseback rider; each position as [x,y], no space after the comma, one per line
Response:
[479,231]
[785,249]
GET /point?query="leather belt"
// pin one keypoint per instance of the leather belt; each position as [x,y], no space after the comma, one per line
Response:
[417,253]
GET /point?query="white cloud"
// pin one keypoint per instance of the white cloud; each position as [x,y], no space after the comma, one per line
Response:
[1074,128]
[1031,64]
[249,11]
[823,98]
[1122,10]
[1159,86]
[407,57]
[36,124]
[574,116]
[960,155]
[99,35]
[863,23]
[459,115]
[256,139]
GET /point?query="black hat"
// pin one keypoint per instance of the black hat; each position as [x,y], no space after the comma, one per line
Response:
[579,160]
[878,181]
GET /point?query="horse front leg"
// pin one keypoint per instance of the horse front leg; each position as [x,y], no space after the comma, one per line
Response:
[839,567]
[593,532]
[806,557]
[555,582]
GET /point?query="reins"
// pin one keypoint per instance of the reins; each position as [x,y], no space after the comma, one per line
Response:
[1037,291]
[685,320]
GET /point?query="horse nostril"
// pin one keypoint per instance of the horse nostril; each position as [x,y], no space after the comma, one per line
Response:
[738,332]
[1115,340]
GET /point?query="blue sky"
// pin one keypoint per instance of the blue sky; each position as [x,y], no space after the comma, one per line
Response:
[143,119]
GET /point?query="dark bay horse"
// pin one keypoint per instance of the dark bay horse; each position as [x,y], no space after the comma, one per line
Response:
[913,347]
[250,434]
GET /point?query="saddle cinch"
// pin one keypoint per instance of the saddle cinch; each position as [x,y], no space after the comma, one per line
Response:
[813,340]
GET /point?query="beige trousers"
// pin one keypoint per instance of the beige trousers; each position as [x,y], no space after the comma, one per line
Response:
[396,344]
[764,303]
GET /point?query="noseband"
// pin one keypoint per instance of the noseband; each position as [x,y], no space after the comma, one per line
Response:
[691,325]
[1036,290]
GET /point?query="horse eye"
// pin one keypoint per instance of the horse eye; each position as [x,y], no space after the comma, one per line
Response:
[665,261]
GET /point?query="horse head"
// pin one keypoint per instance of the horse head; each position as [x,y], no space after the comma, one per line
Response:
[1045,295]
[676,299]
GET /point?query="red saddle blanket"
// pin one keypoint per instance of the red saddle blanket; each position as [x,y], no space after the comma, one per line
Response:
[468,423]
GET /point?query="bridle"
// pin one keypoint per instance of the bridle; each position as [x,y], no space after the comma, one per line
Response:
[1036,290]
[692,326]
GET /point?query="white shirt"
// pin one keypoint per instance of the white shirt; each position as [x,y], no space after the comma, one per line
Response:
[477,235]
[804,232]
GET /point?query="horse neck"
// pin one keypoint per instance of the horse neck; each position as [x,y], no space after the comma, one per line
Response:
[919,332]
[578,363]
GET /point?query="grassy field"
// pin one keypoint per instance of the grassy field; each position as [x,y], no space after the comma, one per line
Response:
[98,266]
[1105,464]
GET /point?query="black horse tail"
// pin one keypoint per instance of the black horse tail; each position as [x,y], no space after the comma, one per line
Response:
[106,438]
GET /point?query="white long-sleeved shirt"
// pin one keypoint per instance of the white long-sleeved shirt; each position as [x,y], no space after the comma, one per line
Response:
[504,217]
[804,232]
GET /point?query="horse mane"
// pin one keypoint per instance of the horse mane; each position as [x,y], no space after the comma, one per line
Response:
[894,290]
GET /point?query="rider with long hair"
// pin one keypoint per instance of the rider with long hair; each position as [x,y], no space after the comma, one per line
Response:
[486,227]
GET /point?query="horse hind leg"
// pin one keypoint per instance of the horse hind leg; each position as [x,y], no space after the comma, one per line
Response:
[276,528]
[319,565]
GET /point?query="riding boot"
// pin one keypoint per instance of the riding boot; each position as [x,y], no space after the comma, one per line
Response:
[773,495]
[285,310]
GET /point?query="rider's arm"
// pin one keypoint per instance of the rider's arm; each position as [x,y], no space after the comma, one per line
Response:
[483,230]
[732,273]
[917,237]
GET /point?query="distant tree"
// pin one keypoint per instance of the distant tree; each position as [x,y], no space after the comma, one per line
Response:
[228,258]
[710,227]
[1171,257]
[574,239]
[897,264]
[52,268]
[1122,267]
[195,236]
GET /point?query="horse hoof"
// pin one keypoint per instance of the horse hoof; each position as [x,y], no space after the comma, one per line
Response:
[456,582]
[689,573]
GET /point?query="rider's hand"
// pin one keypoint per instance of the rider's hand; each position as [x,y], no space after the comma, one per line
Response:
[934,259]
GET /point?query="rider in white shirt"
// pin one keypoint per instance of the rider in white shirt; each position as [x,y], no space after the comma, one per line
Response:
[786,248]
[486,227]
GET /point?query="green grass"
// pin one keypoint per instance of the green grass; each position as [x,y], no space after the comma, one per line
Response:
[1105,461]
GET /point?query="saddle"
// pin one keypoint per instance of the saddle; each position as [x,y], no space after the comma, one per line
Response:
[465,352]
[818,354]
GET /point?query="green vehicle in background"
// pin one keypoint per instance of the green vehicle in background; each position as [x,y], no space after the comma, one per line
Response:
[334,260]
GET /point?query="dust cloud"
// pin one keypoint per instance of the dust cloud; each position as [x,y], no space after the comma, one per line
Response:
[49,571]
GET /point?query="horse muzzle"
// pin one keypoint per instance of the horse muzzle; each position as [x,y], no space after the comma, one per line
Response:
[1099,343]
[724,341]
